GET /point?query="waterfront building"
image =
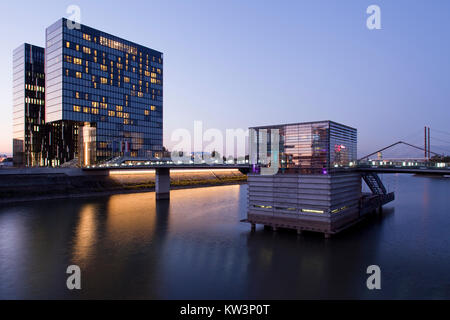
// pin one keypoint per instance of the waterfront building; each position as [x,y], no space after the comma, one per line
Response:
[104,98]
[28,104]
[313,186]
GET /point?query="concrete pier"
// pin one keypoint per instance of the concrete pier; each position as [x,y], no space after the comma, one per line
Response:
[162,183]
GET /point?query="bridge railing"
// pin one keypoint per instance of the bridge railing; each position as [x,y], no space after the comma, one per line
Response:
[403,164]
[166,162]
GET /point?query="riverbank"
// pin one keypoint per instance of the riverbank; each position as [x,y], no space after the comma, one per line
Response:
[38,184]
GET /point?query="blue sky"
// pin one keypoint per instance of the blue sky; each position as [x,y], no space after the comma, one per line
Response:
[241,63]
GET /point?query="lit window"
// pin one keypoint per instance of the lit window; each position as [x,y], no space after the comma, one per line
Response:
[67,44]
[77,61]
[86,109]
[78,75]
[103,80]
[76,108]
[153,108]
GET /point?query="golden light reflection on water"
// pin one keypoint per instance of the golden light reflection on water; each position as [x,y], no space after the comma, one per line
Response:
[133,219]
[85,235]
[130,217]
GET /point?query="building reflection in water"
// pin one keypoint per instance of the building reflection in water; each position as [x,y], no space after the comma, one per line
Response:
[85,235]
[130,219]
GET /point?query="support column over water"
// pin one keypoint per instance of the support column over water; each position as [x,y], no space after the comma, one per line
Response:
[162,183]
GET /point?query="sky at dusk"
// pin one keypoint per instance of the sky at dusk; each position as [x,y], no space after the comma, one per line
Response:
[242,63]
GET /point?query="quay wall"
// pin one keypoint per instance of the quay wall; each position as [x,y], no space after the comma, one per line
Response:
[43,183]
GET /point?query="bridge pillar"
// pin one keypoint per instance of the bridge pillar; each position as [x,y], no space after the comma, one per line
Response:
[162,183]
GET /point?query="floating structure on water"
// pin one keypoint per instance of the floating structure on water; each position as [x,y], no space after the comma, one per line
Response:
[303,177]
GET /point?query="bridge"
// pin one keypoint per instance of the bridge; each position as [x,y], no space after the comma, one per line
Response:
[366,165]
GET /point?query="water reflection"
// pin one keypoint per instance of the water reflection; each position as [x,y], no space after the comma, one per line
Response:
[86,235]
[193,246]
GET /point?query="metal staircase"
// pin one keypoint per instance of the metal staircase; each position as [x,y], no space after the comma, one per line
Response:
[374,182]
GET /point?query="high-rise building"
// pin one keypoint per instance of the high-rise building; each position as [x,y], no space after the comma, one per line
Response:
[28,105]
[109,90]
[104,98]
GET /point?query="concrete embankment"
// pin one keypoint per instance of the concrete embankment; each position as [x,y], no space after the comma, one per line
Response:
[31,184]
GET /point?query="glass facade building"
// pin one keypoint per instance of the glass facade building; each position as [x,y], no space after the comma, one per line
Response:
[28,105]
[312,147]
[106,92]
[89,95]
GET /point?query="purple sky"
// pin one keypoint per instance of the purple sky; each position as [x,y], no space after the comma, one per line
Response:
[235,63]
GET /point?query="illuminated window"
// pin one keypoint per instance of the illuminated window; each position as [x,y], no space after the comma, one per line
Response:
[78,75]
[68,59]
[153,108]
[94,111]
[146,112]
[103,80]
[77,61]
[76,108]
[119,108]
[67,44]
[147,73]
[126,79]
[87,50]
[87,37]
[103,67]
[86,109]
[111,113]
[94,104]
[77,95]
[77,47]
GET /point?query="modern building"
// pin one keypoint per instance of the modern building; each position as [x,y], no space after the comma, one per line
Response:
[28,105]
[310,147]
[104,97]
[312,185]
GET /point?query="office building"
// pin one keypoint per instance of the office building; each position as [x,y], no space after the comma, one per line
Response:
[103,98]
[313,185]
[28,105]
